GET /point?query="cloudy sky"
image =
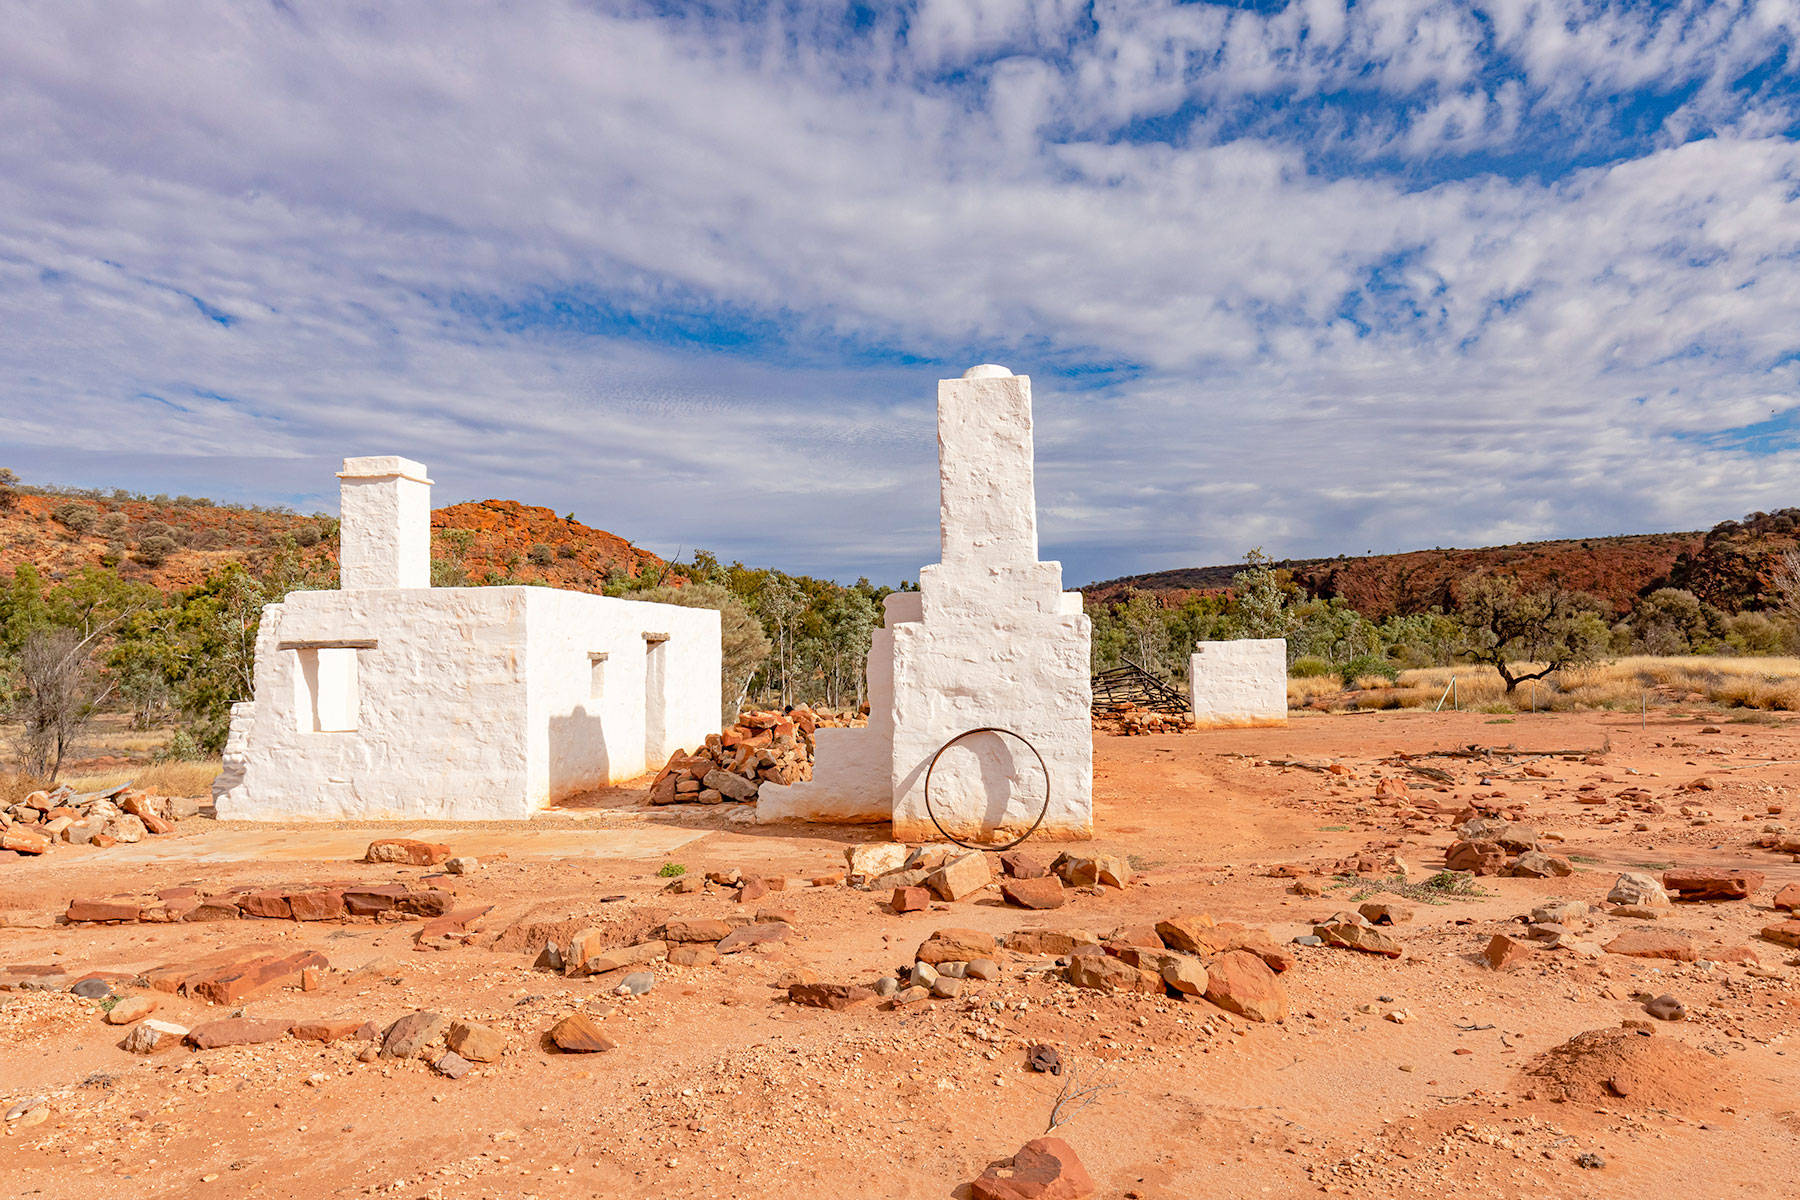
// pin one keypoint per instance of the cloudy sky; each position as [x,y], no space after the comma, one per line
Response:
[1315,278]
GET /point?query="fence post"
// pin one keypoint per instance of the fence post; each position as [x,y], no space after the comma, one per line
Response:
[1455,695]
[1445,696]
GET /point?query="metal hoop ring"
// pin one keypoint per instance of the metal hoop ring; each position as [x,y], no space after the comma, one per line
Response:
[1042,812]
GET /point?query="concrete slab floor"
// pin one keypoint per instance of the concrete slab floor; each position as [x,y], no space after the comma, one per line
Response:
[309,845]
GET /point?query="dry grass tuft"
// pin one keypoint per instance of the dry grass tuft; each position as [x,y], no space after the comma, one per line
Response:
[163,779]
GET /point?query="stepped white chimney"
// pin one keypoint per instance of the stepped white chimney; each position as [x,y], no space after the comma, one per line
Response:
[384,535]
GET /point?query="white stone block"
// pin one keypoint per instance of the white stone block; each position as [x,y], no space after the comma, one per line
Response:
[1239,683]
[384,524]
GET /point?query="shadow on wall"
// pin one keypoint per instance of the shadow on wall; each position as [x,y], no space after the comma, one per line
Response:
[987,783]
[578,754]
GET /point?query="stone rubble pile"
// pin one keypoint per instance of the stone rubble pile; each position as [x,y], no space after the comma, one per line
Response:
[763,747]
[123,814]
[1129,720]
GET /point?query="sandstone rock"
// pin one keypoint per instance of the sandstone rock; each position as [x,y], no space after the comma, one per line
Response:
[835,996]
[125,828]
[1504,953]
[1019,865]
[1111,870]
[911,995]
[696,929]
[750,888]
[694,954]
[1651,943]
[578,1034]
[1784,933]
[587,954]
[1076,872]
[1358,937]
[407,851]
[1535,864]
[462,864]
[946,987]
[1192,934]
[1184,974]
[413,1034]
[1043,892]
[24,841]
[1239,982]
[152,1036]
[451,1065]
[477,1043]
[1570,913]
[1477,858]
[1700,883]
[985,969]
[922,975]
[372,899]
[955,945]
[131,1008]
[960,877]
[549,959]
[1641,912]
[1104,973]
[316,904]
[91,988]
[102,910]
[1666,1008]
[1048,941]
[1386,914]
[326,1030]
[269,905]
[1517,837]
[753,935]
[238,981]
[1045,1168]
[636,983]
[727,783]
[1636,888]
[910,899]
[1788,898]
[235,1031]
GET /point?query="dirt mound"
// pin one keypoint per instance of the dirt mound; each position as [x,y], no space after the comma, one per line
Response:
[1630,1068]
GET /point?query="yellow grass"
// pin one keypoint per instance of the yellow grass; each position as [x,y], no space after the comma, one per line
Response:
[164,779]
[1770,684]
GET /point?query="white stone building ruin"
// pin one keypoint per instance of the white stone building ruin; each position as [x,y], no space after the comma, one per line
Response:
[1239,684]
[989,640]
[390,698]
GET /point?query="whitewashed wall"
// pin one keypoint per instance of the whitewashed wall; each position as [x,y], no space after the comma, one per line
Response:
[1239,683]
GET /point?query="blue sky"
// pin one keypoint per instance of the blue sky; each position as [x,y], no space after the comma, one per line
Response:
[1315,278]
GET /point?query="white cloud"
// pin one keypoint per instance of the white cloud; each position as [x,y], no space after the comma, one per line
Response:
[1313,361]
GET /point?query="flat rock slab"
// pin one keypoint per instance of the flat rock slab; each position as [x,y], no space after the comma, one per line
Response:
[752,935]
[275,844]
[235,1031]
[1045,1168]
[1707,884]
[578,1034]
[1042,892]
[1653,943]
[835,996]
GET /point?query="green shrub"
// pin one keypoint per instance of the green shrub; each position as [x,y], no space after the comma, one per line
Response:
[180,748]
[671,869]
[1309,666]
[542,555]
[79,517]
[1369,664]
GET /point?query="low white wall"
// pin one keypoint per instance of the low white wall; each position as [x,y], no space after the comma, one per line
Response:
[851,783]
[1239,683]
[440,713]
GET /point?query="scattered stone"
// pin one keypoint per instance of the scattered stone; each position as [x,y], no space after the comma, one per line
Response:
[873,859]
[578,1034]
[1104,973]
[235,1031]
[1044,1059]
[462,864]
[1636,888]
[587,954]
[330,1030]
[1477,857]
[1651,943]
[1784,933]
[1504,953]
[884,987]
[478,1043]
[1044,1169]
[1666,1008]
[910,899]
[1192,934]
[911,995]
[1366,938]
[1587,1160]
[1043,892]
[412,1034]
[1788,898]
[1377,913]
[549,959]
[1048,941]
[1184,974]
[131,1008]
[1111,871]
[955,945]
[753,935]
[214,908]
[960,877]
[1535,864]
[1571,913]
[451,1065]
[985,969]
[835,996]
[945,987]
[923,975]
[1019,865]
[638,983]
[696,929]
[1240,982]
[91,989]
[406,851]
[101,910]
[694,955]
[1706,884]
[152,1036]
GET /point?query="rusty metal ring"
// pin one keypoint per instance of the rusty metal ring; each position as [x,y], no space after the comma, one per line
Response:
[1042,812]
